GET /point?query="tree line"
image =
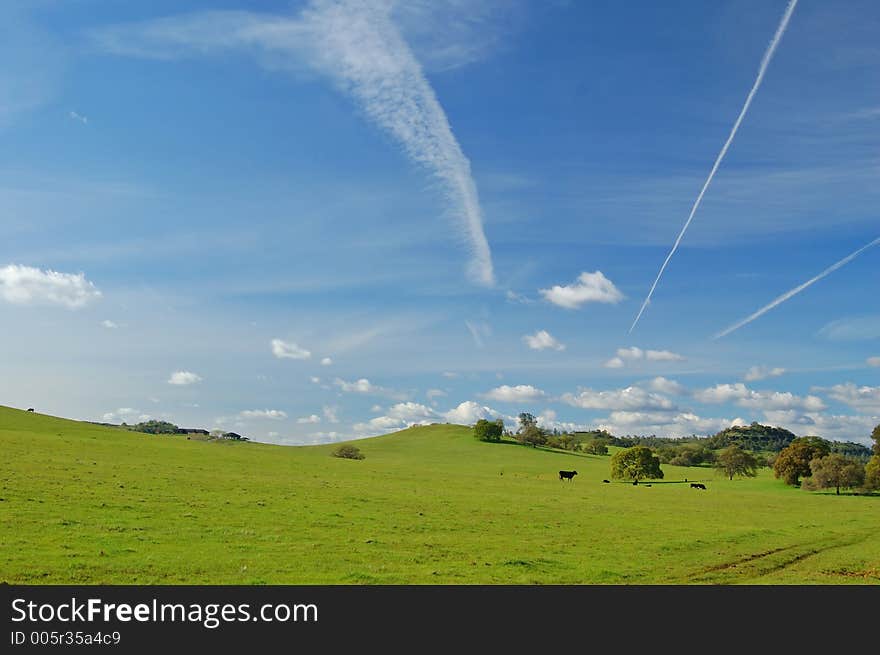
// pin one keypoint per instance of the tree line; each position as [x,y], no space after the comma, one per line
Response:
[808,462]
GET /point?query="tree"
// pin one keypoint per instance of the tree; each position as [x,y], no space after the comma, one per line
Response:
[835,470]
[489,430]
[872,468]
[526,419]
[793,462]
[872,473]
[596,447]
[636,463]
[532,435]
[733,460]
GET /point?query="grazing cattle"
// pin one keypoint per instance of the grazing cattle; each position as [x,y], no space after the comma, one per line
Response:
[697,485]
[30,409]
[608,481]
[635,482]
[647,485]
[567,475]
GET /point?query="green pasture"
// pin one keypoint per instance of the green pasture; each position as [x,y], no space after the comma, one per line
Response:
[86,504]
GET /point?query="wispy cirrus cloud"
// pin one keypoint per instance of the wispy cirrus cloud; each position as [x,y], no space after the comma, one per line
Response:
[852,328]
[359,46]
[27,285]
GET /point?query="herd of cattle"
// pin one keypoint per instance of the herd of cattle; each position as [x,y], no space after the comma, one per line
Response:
[568,475]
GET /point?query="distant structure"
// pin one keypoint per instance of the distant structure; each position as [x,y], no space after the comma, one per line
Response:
[191,431]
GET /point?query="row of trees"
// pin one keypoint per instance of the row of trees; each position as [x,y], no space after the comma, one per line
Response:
[641,463]
[811,463]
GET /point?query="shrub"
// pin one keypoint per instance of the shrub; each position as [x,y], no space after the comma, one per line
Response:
[347,451]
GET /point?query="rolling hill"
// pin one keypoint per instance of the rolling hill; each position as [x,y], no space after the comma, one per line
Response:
[88,504]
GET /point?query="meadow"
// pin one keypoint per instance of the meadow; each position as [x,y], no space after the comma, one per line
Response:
[86,504]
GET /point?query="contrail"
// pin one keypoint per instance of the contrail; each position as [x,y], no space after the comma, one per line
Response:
[788,294]
[768,55]
[358,44]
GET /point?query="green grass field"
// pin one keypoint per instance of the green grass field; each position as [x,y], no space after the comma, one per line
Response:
[85,504]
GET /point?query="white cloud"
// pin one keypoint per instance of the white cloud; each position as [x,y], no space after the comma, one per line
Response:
[110,325]
[761,400]
[125,415]
[469,412]
[542,340]
[667,386]
[326,361]
[630,353]
[78,117]
[315,380]
[398,417]
[633,354]
[435,393]
[873,361]
[363,385]
[314,418]
[288,350]
[379,425]
[663,356]
[662,424]
[862,398]
[26,285]
[412,412]
[829,426]
[330,413]
[449,374]
[763,372]
[631,399]
[519,394]
[589,287]
[183,378]
[271,414]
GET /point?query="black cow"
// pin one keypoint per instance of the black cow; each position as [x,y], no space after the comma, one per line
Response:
[30,409]
[567,475]
[697,485]
[608,481]
[635,482]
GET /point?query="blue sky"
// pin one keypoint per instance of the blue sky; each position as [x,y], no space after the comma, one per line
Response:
[321,220]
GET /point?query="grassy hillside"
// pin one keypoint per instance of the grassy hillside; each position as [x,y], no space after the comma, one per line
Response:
[81,503]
